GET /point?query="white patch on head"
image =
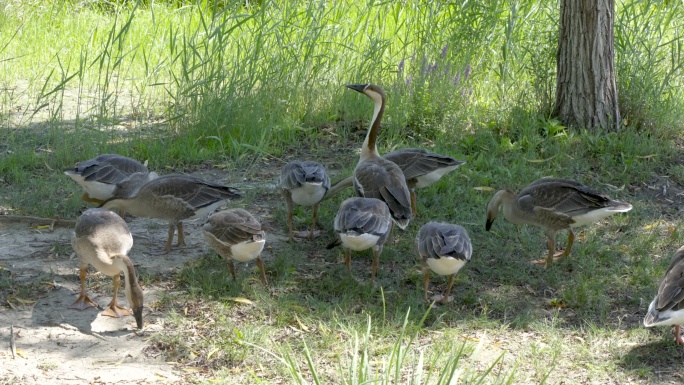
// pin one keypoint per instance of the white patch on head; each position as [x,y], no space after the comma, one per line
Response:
[309,194]
[445,265]
[359,242]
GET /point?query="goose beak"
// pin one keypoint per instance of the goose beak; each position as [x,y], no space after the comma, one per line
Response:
[357,87]
[488,226]
[137,314]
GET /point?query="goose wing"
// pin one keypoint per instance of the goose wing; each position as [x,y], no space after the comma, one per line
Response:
[437,240]
[416,162]
[295,174]
[364,216]
[108,168]
[671,289]
[561,196]
[381,179]
[234,226]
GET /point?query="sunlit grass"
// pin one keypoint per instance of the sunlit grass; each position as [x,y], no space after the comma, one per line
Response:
[236,86]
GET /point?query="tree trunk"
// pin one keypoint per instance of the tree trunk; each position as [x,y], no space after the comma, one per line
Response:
[586,95]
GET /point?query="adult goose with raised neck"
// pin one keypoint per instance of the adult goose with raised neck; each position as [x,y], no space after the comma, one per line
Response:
[375,176]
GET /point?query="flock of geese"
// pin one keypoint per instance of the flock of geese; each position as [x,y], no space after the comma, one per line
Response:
[385,196]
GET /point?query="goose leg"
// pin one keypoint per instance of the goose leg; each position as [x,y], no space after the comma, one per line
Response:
[678,337]
[347,259]
[313,221]
[231,267]
[262,270]
[290,209]
[169,241]
[113,309]
[414,208]
[426,283]
[181,237]
[390,238]
[550,257]
[571,240]
[449,285]
[376,261]
[83,301]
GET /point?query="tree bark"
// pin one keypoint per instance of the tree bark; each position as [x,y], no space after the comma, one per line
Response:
[586,94]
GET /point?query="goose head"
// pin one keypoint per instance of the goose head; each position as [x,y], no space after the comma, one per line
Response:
[505,197]
[377,95]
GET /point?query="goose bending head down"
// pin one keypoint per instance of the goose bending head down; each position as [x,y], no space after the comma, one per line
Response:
[102,239]
[375,176]
[363,223]
[667,308]
[174,198]
[303,183]
[554,204]
[445,249]
[101,176]
[236,235]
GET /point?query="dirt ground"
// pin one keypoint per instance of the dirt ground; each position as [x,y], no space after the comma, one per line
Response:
[39,280]
[60,345]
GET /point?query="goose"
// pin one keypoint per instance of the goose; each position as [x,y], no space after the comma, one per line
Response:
[362,223]
[236,234]
[445,249]
[304,183]
[102,239]
[174,198]
[554,204]
[421,168]
[375,176]
[101,176]
[667,308]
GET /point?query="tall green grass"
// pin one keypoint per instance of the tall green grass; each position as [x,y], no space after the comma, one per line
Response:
[228,79]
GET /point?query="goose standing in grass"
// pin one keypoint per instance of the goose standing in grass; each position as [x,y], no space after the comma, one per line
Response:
[362,223]
[236,234]
[444,248]
[102,239]
[421,168]
[554,204]
[304,183]
[375,176]
[667,308]
[101,176]
[174,198]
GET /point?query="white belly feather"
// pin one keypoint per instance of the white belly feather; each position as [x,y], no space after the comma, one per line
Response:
[445,265]
[359,242]
[247,251]
[309,194]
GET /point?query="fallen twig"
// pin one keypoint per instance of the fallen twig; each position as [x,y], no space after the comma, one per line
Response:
[52,222]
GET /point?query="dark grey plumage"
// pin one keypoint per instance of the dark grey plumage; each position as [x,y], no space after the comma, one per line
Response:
[101,175]
[667,308]
[554,204]
[174,198]
[303,183]
[363,223]
[445,248]
[377,177]
[236,234]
